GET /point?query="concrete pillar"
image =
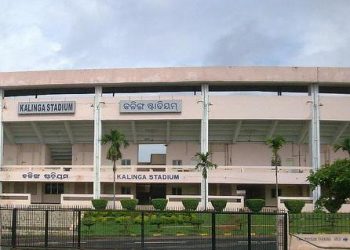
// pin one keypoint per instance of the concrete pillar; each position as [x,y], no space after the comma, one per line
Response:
[97,142]
[204,140]
[1,133]
[314,138]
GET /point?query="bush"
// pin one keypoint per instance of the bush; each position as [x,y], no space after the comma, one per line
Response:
[294,206]
[88,222]
[159,204]
[99,204]
[219,205]
[190,204]
[255,205]
[129,204]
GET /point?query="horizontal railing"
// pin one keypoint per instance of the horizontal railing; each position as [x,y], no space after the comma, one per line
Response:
[14,199]
[156,168]
[233,202]
[309,205]
[155,174]
[84,200]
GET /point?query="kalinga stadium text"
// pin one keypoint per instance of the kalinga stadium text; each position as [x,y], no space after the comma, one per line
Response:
[46,107]
[148,177]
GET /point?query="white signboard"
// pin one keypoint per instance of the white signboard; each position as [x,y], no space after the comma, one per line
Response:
[150,106]
[32,108]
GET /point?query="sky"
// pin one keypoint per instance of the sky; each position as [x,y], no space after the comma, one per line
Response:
[81,34]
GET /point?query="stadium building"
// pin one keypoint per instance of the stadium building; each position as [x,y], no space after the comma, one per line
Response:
[52,123]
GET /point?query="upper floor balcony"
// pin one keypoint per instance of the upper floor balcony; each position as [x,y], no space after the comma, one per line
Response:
[154,174]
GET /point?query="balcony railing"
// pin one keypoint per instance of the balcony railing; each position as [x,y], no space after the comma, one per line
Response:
[155,173]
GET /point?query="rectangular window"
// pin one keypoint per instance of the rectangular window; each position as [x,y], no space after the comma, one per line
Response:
[273,192]
[54,188]
[177,162]
[126,162]
[126,190]
[176,191]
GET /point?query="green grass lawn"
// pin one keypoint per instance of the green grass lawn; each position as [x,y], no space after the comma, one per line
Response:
[114,223]
[176,224]
[315,223]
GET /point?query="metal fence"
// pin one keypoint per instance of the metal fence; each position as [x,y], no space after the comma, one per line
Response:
[316,223]
[112,229]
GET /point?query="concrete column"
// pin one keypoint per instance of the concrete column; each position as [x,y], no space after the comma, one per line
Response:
[1,133]
[314,132]
[204,140]
[97,142]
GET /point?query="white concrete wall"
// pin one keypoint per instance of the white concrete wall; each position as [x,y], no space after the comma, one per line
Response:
[26,154]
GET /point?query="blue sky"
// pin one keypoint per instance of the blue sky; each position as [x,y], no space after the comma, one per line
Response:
[67,34]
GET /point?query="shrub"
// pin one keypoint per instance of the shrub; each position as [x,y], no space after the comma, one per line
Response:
[129,204]
[255,205]
[294,206]
[88,222]
[99,204]
[190,204]
[159,204]
[219,205]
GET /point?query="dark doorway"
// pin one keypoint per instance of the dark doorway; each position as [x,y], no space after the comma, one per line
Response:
[253,191]
[146,192]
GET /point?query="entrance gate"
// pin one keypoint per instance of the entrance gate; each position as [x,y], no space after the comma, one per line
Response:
[91,229]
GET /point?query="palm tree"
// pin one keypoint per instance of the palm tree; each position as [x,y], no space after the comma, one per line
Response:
[344,145]
[116,140]
[204,165]
[276,143]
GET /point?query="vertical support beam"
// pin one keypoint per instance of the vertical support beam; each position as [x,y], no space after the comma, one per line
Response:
[1,132]
[97,141]
[315,135]
[205,140]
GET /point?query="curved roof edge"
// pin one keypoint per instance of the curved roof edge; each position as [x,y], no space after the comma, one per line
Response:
[179,76]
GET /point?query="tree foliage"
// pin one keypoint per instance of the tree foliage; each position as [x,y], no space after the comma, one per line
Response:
[334,180]
[204,164]
[344,145]
[276,143]
[117,140]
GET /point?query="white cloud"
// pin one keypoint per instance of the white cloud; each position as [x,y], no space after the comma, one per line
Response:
[50,34]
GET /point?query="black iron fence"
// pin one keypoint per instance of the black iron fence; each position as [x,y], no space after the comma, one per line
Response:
[112,229]
[316,223]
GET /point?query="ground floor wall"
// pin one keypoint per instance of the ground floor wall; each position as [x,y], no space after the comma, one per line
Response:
[50,193]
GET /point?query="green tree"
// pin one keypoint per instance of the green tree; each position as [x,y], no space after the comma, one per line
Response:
[276,143]
[344,145]
[204,164]
[334,180]
[116,140]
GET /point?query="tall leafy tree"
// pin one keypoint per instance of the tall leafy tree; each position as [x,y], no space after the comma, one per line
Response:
[116,139]
[344,145]
[276,143]
[204,164]
[334,180]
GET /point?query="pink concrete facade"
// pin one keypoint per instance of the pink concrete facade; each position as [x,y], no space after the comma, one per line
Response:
[238,128]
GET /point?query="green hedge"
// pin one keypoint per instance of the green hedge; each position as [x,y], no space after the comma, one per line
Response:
[219,205]
[294,206]
[190,204]
[159,204]
[255,205]
[99,204]
[129,204]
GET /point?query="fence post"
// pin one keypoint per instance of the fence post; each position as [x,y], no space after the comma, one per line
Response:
[285,229]
[79,227]
[213,231]
[14,228]
[249,231]
[142,230]
[46,228]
